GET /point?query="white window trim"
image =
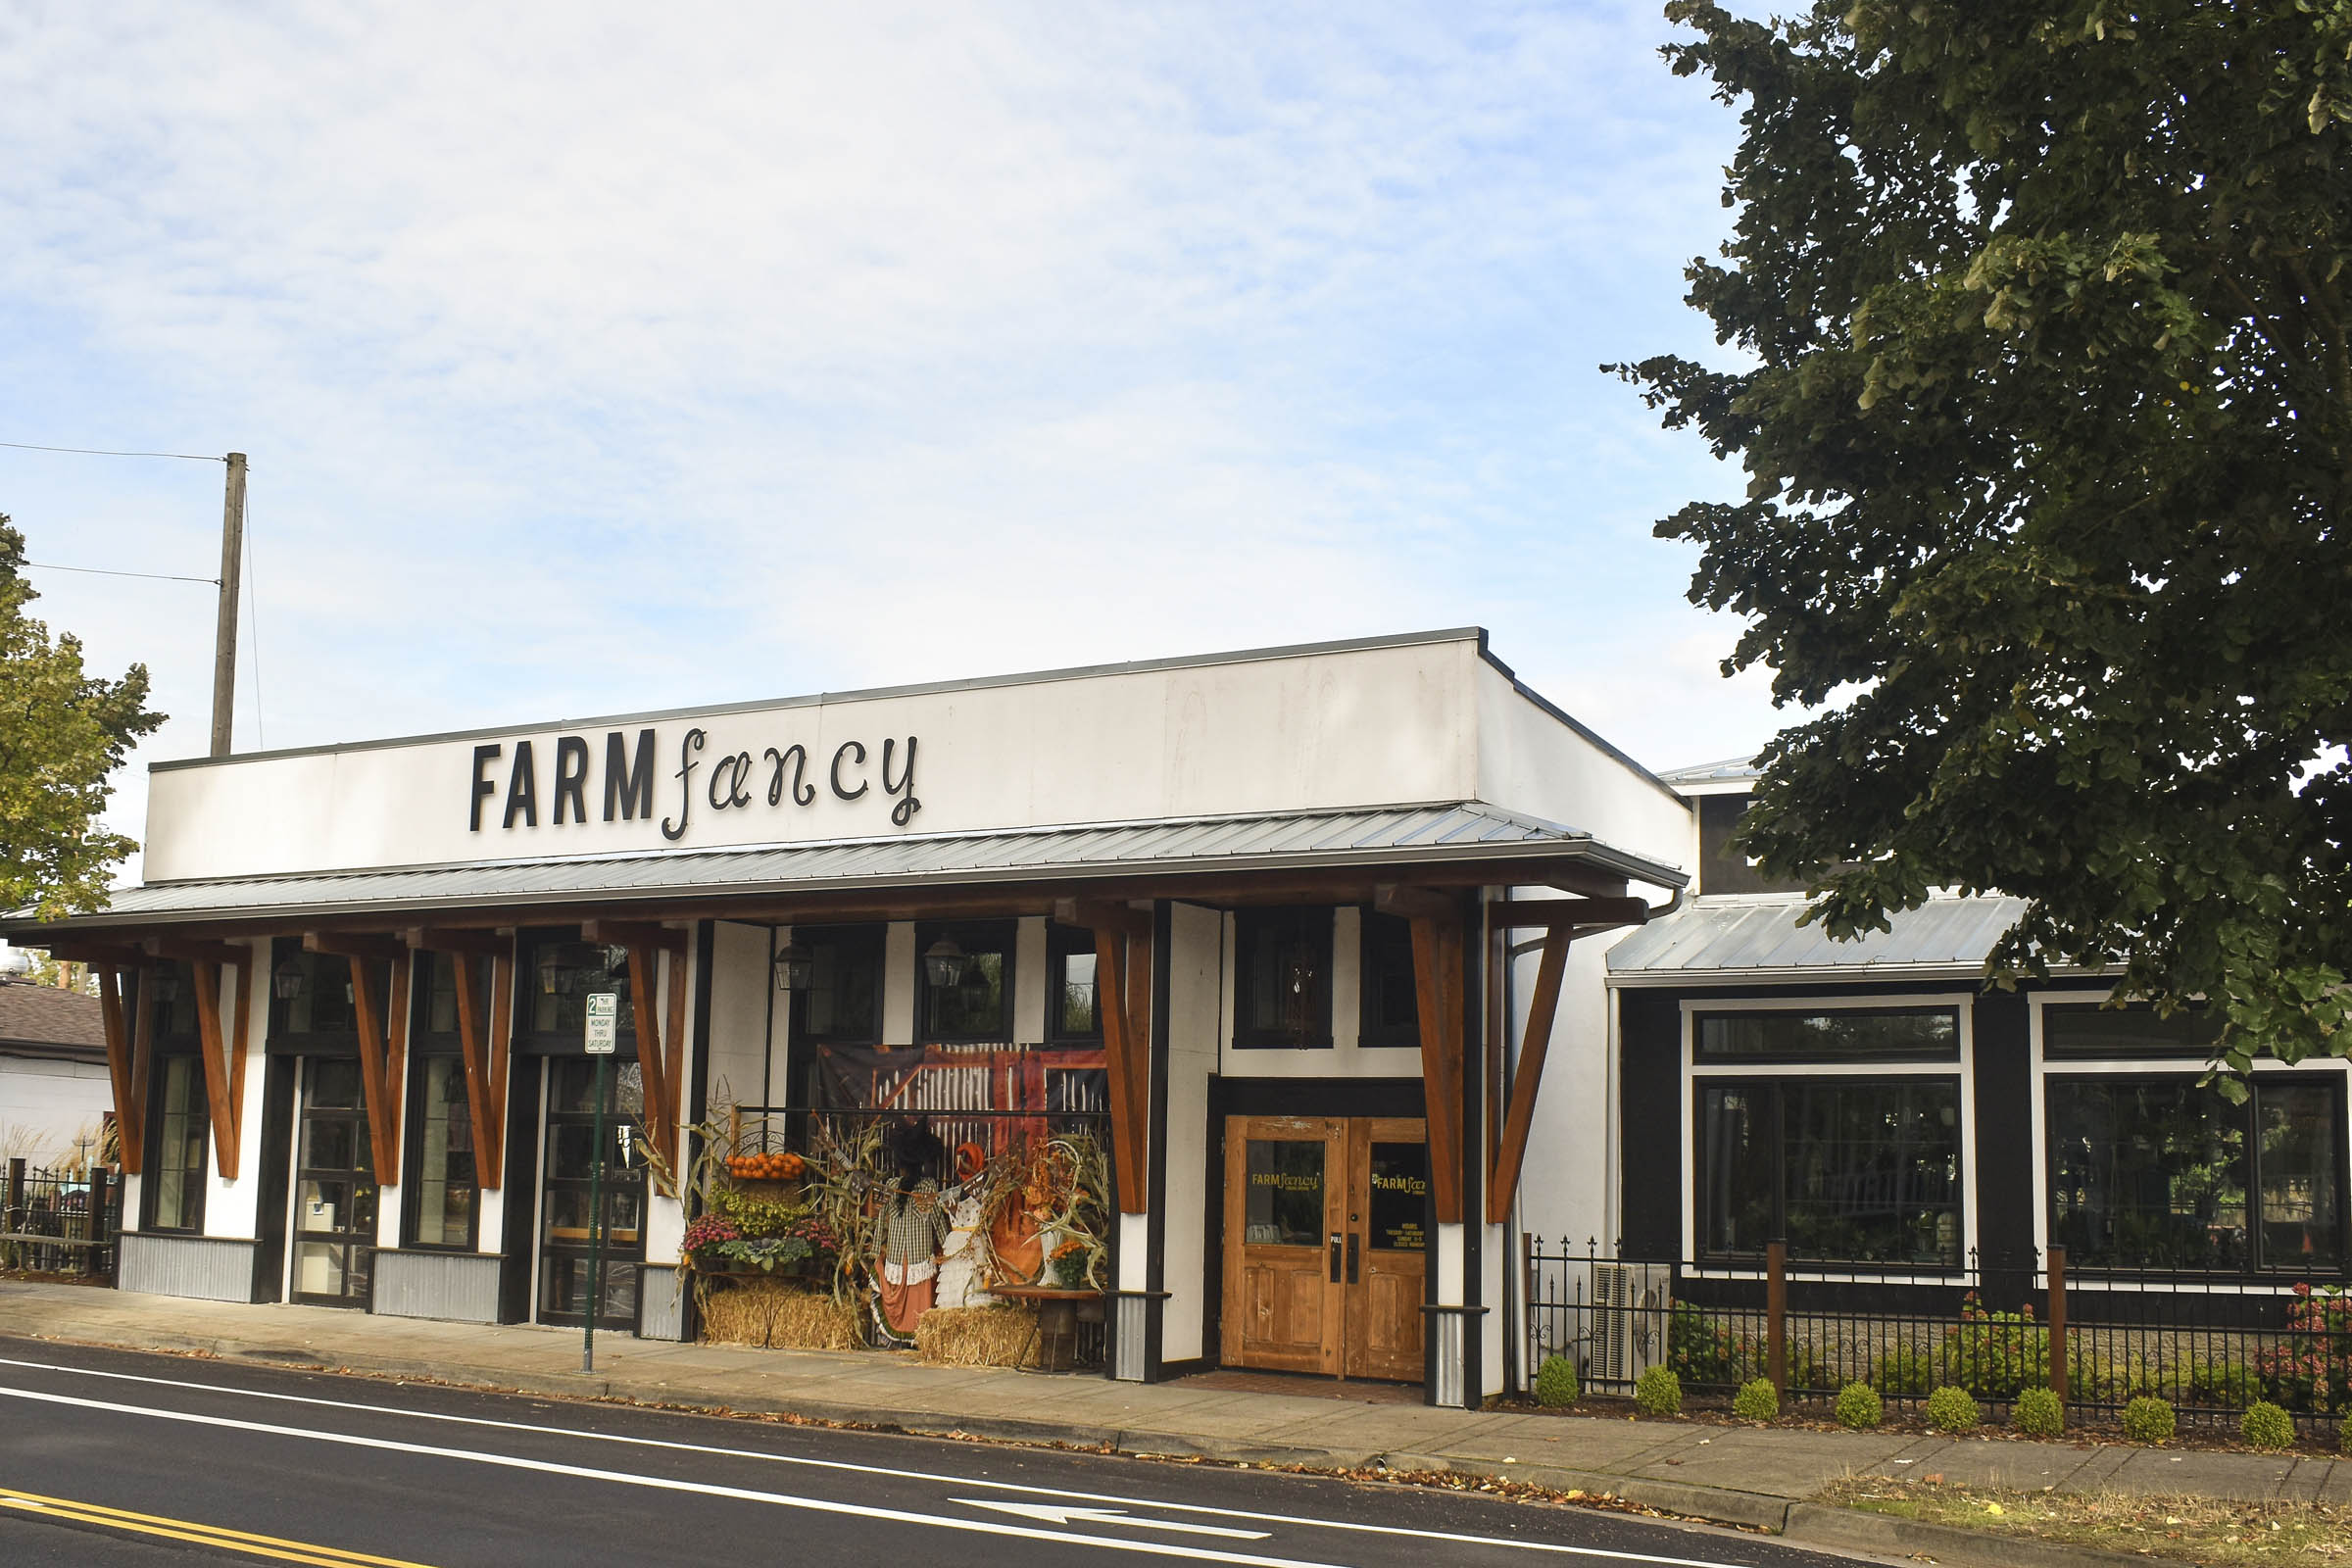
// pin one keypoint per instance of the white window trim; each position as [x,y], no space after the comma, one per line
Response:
[2039,1070]
[1964,1002]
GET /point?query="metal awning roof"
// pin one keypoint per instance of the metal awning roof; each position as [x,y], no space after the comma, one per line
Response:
[1369,840]
[1718,939]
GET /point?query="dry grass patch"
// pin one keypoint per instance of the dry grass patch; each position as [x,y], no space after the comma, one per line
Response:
[777,1316]
[973,1336]
[2201,1529]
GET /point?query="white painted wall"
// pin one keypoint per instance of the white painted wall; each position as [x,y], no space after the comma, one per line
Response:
[740,1060]
[1564,1186]
[1196,989]
[1528,761]
[1306,731]
[45,1104]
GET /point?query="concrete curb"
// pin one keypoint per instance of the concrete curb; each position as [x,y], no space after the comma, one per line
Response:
[1811,1524]
[1884,1535]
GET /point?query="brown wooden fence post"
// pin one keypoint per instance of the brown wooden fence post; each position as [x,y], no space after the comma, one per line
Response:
[2057,1257]
[1776,1315]
[13,1219]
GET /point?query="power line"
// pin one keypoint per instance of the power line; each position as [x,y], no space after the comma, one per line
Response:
[102,571]
[101,452]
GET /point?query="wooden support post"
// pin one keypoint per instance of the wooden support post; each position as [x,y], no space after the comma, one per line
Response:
[248,976]
[673,1062]
[1504,1188]
[650,1059]
[396,1068]
[216,1068]
[501,1048]
[1123,1004]
[1775,1315]
[2058,1369]
[1437,992]
[130,1092]
[142,1069]
[371,1067]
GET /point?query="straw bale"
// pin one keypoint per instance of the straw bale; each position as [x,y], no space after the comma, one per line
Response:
[975,1336]
[778,1315]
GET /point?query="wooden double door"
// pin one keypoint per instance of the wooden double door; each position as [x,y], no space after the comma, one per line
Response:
[1326,1233]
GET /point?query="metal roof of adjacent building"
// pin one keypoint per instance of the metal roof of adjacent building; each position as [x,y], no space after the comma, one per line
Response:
[1368,839]
[1715,939]
[1732,770]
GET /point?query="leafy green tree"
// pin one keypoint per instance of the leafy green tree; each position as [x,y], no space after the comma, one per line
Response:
[2044,399]
[63,732]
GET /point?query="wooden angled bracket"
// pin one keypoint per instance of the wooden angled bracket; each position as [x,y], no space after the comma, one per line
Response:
[483,1046]
[634,934]
[660,1051]
[1553,915]
[130,1089]
[223,1044]
[1123,937]
[1438,991]
[384,1038]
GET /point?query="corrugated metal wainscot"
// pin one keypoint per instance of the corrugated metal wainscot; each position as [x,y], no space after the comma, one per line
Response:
[661,1314]
[208,1269]
[458,1287]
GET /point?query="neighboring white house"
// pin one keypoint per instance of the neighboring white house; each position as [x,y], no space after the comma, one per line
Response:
[54,1091]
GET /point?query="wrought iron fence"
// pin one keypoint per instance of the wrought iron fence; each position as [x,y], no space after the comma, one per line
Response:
[59,1222]
[2207,1345]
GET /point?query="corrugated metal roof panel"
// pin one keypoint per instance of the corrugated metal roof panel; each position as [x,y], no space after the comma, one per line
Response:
[1761,935]
[1400,835]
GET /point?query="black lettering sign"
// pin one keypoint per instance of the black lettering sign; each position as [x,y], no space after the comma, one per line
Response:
[571,778]
[802,792]
[629,785]
[522,787]
[903,813]
[847,747]
[730,782]
[483,788]
[693,743]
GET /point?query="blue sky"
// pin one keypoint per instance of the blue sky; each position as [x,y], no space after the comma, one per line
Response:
[594,358]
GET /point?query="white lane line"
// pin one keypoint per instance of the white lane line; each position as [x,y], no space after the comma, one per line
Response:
[703,1488]
[927,1476]
[1059,1513]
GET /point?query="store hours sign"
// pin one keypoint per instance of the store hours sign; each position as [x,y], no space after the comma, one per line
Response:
[518,786]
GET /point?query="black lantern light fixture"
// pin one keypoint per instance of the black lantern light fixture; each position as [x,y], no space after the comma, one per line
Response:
[944,962]
[795,965]
[166,983]
[286,981]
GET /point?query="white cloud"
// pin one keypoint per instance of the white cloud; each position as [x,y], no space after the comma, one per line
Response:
[594,358]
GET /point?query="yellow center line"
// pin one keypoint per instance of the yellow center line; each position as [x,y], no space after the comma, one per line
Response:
[217,1536]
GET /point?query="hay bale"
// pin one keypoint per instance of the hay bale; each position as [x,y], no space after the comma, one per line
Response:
[777,1314]
[973,1336]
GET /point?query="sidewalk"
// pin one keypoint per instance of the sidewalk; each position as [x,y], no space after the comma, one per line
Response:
[1730,1475]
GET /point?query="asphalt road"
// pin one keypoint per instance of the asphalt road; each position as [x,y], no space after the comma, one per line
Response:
[110,1457]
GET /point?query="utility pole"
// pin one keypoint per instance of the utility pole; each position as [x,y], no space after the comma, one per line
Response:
[224,641]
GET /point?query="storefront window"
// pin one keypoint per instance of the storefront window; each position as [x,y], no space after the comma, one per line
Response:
[440,1010]
[975,1002]
[175,1161]
[1391,1010]
[566,1244]
[842,1002]
[1844,1169]
[1284,1204]
[1282,985]
[441,1165]
[2165,1174]
[323,1005]
[1071,990]
[1890,1034]
[561,975]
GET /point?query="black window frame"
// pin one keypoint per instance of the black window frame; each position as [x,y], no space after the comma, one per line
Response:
[2256,1265]
[973,936]
[561,1041]
[318,969]
[1062,943]
[1316,925]
[1765,1060]
[869,942]
[1379,937]
[1775,1083]
[166,1051]
[428,1045]
[2195,1033]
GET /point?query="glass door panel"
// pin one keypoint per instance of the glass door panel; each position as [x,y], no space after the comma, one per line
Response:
[565,1234]
[334,1186]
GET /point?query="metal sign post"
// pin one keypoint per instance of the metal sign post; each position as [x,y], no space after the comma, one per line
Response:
[603,1030]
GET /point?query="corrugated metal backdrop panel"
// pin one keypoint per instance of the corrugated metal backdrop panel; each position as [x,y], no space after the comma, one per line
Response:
[204,1267]
[455,1286]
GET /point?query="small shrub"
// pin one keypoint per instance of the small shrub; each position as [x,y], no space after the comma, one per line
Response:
[2149,1420]
[1658,1392]
[1951,1409]
[2230,1385]
[1757,1400]
[1555,1381]
[1994,1354]
[2037,1413]
[2266,1426]
[1904,1372]
[1705,1351]
[1859,1407]
[2343,1440]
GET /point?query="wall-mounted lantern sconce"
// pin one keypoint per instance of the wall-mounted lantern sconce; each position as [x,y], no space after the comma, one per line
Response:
[286,981]
[796,967]
[944,962]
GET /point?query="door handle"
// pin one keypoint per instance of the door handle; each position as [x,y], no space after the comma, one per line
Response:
[1354,1259]
[1335,1257]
